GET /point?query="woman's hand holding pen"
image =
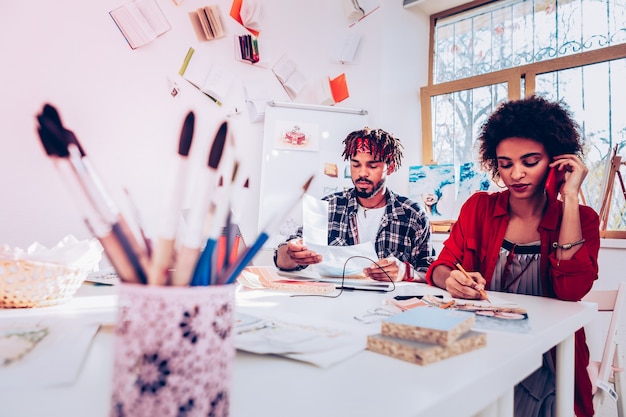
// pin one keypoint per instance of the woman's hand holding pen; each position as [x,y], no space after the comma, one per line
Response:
[468,285]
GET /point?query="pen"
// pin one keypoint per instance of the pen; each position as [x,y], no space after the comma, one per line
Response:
[482,292]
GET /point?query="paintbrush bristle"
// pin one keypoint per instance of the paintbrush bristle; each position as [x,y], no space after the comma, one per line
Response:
[307,184]
[52,137]
[186,134]
[235,169]
[71,138]
[218,146]
[51,113]
[57,138]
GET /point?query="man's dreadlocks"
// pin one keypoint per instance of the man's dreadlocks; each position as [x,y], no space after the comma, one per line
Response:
[382,145]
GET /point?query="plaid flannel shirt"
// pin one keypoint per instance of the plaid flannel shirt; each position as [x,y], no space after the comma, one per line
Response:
[404,228]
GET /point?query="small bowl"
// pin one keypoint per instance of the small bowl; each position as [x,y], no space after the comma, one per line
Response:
[25,283]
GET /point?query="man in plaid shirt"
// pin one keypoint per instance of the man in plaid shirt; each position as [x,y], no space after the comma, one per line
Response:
[370,211]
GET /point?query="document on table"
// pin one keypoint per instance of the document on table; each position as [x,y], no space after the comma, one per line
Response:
[307,339]
[43,351]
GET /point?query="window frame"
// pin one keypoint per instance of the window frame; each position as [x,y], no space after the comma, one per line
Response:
[513,77]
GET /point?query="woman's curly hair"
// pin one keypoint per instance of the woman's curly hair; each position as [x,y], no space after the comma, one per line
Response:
[536,118]
[383,146]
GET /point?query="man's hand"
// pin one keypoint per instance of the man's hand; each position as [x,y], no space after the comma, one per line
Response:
[295,253]
[388,269]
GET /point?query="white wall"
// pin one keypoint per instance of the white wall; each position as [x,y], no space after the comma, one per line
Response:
[69,53]
[117,101]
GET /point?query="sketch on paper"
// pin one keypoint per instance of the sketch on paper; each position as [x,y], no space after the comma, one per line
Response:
[296,136]
[432,187]
[17,343]
[500,316]
[312,340]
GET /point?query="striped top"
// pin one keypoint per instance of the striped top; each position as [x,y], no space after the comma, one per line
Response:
[518,269]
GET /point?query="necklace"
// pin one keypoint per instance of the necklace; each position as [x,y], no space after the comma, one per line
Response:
[375,206]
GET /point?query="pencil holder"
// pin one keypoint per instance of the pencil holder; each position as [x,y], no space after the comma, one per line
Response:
[174,351]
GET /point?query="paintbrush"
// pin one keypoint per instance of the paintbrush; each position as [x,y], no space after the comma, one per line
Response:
[163,255]
[100,213]
[139,222]
[478,288]
[232,232]
[189,252]
[232,272]
[207,266]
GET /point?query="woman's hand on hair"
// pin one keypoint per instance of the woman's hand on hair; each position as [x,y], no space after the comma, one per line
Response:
[575,173]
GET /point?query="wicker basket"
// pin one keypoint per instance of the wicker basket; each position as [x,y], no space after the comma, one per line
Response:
[25,283]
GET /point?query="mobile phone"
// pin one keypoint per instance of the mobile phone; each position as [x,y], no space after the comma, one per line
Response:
[408,297]
[555,179]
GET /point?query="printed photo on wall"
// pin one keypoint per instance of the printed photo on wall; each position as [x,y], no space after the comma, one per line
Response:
[296,136]
[433,188]
[473,179]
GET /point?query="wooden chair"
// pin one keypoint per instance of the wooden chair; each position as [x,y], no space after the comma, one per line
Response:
[608,374]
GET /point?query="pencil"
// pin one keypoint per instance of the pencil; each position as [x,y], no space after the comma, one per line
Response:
[482,292]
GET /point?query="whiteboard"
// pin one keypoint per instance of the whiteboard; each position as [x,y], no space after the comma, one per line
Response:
[301,140]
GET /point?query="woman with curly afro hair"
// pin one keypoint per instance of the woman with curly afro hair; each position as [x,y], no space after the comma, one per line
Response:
[526,239]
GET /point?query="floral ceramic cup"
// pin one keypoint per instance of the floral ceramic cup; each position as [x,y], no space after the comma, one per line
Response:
[173,351]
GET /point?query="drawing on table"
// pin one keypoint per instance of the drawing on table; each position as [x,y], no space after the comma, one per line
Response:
[16,343]
[497,315]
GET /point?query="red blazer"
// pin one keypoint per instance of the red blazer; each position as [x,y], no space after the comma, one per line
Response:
[475,241]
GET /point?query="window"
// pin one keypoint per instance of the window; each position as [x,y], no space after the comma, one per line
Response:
[568,50]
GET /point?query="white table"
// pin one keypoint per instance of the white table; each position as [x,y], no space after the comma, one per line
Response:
[368,384]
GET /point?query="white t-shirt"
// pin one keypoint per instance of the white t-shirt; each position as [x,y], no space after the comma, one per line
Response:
[368,223]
